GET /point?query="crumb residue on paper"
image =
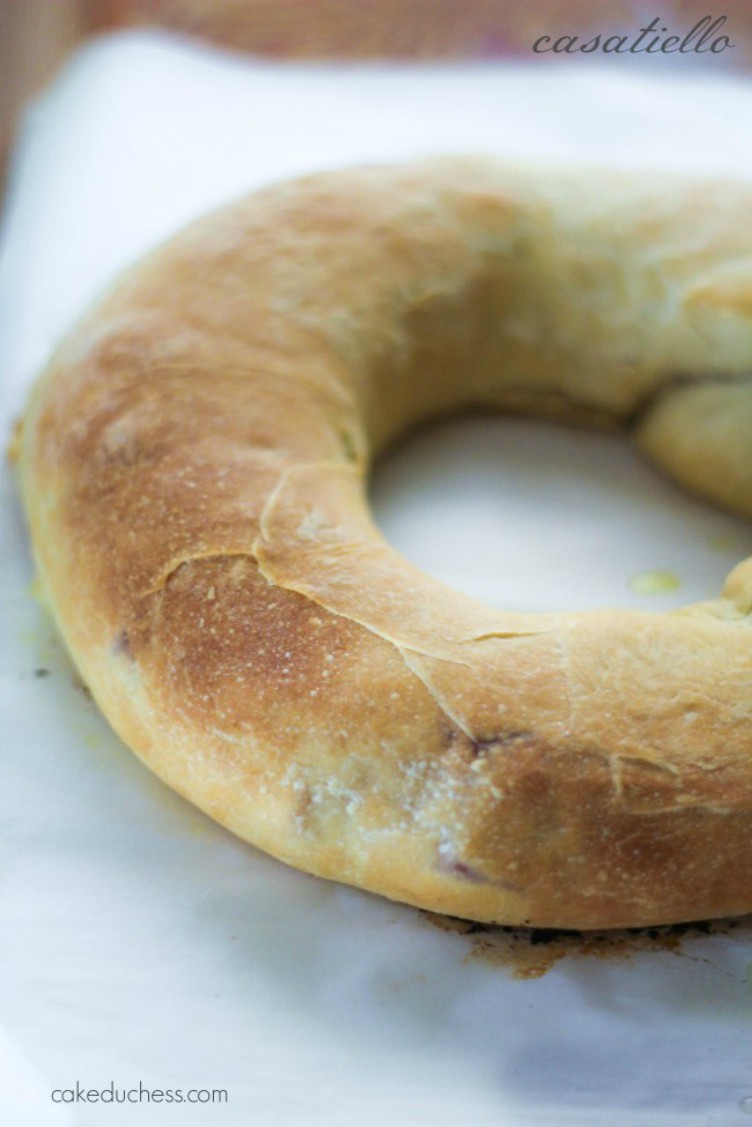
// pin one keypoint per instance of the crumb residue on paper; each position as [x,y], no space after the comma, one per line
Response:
[531,952]
[654,583]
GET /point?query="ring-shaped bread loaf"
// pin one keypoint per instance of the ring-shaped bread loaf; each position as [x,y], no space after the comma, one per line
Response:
[194,468]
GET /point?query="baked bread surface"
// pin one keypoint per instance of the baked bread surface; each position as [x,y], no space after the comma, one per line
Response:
[194,467]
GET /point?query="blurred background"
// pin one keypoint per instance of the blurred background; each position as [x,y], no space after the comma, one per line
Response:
[37,35]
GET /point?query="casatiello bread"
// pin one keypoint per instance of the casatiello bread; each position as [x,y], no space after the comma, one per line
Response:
[194,464]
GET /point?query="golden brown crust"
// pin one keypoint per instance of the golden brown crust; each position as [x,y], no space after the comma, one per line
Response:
[193,465]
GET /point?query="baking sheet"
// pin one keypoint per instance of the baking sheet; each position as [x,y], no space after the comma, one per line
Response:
[141,946]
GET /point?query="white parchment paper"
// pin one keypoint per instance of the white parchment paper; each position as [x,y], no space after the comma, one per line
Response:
[141,945]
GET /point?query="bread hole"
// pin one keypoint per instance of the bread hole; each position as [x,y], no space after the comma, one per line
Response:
[527,515]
